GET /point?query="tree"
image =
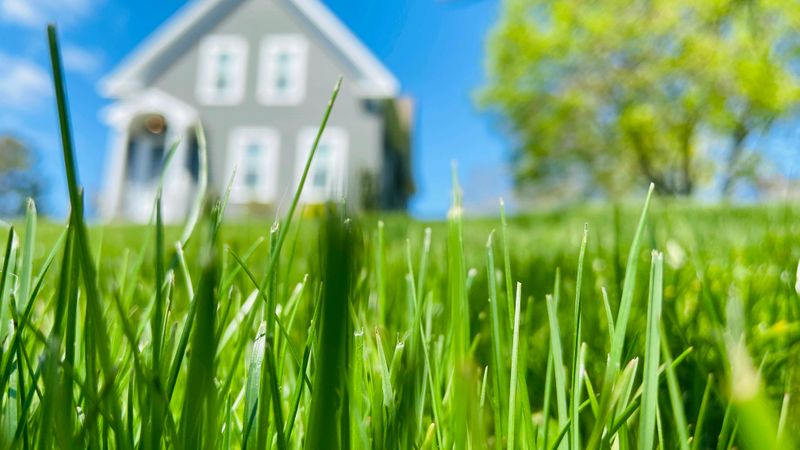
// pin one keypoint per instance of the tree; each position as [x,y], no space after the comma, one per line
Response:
[18,177]
[624,91]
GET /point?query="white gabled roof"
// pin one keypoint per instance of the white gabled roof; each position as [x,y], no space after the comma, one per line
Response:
[193,20]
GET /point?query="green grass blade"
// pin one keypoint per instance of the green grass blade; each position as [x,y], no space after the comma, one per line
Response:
[647,414]
[609,316]
[199,429]
[592,397]
[277,412]
[499,349]
[290,422]
[156,331]
[576,386]
[254,367]
[28,247]
[334,338]
[512,396]
[558,364]
[783,416]
[548,390]
[756,423]
[620,328]
[628,287]
[701,416]
[273,261]
[380,257]
[200,189]
[386,379]
[675,397]
[89,272]
[6,282]
[506,258]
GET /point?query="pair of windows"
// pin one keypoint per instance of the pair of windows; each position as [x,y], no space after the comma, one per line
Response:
[281,75]
[255,152]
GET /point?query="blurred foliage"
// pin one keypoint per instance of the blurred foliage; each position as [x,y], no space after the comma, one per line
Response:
[18,177]
[610,93]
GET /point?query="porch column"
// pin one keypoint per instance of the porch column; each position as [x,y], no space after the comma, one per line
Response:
[177,179]
[116,163]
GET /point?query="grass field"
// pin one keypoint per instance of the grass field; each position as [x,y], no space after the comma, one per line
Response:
[655,324]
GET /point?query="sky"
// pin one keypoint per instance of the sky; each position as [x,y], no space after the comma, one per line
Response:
[434,47]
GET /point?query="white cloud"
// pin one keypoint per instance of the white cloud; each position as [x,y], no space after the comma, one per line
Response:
[35,13]
[83,61]
[23,84]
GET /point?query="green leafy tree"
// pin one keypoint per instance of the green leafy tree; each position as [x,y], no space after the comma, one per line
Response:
[609,93]
[19,178]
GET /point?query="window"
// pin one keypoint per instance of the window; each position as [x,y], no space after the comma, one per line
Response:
[222,72]
[282,75]
[254,153]
[328,172]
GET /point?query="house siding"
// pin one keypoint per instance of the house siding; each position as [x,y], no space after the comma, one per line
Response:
[253,20]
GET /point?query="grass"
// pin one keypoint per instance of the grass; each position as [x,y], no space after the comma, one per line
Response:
[348,333]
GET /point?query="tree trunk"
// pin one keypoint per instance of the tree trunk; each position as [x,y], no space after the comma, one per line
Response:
[687,181]
[737,147]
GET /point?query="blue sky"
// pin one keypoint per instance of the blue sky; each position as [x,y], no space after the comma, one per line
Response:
[434,47]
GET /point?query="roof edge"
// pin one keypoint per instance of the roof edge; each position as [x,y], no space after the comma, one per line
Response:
[123,78]
[377,81]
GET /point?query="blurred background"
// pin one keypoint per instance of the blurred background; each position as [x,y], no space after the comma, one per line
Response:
[540,102]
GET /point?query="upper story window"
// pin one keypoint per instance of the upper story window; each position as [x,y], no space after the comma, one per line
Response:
[328,172]
[255,153]
[222,73]
[282,75]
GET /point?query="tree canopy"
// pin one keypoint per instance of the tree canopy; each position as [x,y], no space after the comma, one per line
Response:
[616,92]
[18,177]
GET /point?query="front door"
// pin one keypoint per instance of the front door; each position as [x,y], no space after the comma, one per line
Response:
[146,150]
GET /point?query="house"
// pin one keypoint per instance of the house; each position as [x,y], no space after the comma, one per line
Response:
[257,75]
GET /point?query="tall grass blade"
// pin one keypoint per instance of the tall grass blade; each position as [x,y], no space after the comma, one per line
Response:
[83,249]
[499,350]
[28,249]
[675,398]
[251,401]
[701,415]
[620,328]
[575,389]
[198,429]
[200,189]
[647,411]
[512,396]
[333,340]
[558,364]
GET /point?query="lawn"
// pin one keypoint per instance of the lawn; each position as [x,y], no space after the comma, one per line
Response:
[401,290]
[652,323]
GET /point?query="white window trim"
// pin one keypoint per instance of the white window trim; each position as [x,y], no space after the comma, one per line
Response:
[266,95]
[339,158]
[237,146]
[205,92]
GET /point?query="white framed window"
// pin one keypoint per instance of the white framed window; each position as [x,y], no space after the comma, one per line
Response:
[223,70]
[254,152]
[282,71]
[328,172]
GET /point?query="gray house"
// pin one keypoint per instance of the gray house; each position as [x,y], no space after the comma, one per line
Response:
[257,75]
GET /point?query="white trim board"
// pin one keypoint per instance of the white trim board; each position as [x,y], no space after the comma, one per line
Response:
[151,100]
[189,25]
